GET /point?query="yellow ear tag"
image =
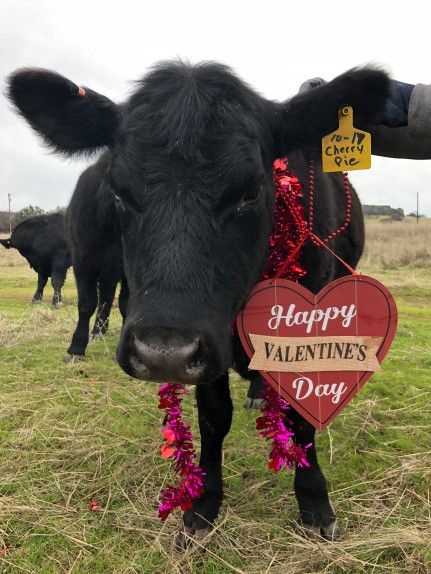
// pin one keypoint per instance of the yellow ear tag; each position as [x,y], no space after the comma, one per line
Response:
[347,148]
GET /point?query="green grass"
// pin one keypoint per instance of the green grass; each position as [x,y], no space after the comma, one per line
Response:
[70,434]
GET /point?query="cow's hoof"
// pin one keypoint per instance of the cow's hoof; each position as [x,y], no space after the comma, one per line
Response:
[330,532]
[73,358]
[187,537]
[253,404]
[36,301]
[58,305]
[183,539]
[96,336]
[311,531]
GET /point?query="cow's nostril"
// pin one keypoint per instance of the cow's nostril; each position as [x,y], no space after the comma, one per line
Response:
[168,358]
[153,353]
[139,368]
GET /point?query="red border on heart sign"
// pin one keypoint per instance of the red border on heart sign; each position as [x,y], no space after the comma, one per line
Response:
[352,310]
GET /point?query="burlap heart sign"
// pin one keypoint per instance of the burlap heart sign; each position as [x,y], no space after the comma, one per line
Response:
[317,351]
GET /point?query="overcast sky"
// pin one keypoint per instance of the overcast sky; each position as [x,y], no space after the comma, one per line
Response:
[274,47]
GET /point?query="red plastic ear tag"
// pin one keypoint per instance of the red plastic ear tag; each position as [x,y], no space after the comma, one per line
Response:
[4,550]
[317,351]
[94,506]
[81,92]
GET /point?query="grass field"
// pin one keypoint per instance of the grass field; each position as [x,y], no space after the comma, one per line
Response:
[71,434]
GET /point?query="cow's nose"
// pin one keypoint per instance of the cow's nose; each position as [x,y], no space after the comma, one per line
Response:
[162,356]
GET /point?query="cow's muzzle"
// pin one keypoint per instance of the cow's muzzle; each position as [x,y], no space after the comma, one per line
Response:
[163,354]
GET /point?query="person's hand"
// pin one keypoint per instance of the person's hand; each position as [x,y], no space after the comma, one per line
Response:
[397,108]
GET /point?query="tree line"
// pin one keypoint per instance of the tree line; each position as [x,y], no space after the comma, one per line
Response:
[22,214]
[394,214]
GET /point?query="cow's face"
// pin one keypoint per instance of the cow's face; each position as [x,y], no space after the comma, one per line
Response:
[192,170]
[190,165]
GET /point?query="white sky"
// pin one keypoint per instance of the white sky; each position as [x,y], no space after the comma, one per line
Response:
[274,46]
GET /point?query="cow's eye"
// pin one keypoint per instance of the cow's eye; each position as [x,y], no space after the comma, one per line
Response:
[251,194]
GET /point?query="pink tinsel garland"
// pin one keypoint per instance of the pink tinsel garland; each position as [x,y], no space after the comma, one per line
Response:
[288,230]
[272,424]
[179,447]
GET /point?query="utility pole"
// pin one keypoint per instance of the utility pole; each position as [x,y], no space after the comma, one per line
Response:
[9,198]
[417,207]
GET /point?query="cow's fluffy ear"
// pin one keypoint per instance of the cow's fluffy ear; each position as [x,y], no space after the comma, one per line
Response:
[5,243]
[70,119]
[309,116]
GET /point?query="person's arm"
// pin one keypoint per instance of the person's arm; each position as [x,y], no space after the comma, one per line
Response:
[412,141]
[405,128]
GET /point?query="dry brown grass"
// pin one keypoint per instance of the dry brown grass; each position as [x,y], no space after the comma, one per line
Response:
[10,257]
[397,244]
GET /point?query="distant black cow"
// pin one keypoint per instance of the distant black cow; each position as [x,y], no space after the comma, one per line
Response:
[95,239]
[189,164]
[42,241]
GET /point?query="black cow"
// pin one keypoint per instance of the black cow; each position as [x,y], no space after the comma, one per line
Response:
[95,239]
[42,241]
[189,160]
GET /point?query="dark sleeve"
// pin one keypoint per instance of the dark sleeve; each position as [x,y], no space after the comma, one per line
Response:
[413,141]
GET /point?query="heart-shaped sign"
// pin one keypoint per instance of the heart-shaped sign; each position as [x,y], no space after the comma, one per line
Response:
[317,351]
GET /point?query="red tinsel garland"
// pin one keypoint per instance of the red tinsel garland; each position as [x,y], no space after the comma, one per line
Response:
[289,226]
[289,229]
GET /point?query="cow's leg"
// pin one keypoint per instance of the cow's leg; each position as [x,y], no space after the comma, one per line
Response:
[254,395]
[41,282]
[86,283]
[58,277]
[215,416]
[316,513]
[241,361]
[107,287]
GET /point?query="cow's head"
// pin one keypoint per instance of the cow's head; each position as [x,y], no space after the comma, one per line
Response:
[6,243]
[190,162]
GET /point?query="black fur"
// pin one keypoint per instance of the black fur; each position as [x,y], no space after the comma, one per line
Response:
[189,171]
[96,252]
[310,114]
[68,123]
[42,241]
